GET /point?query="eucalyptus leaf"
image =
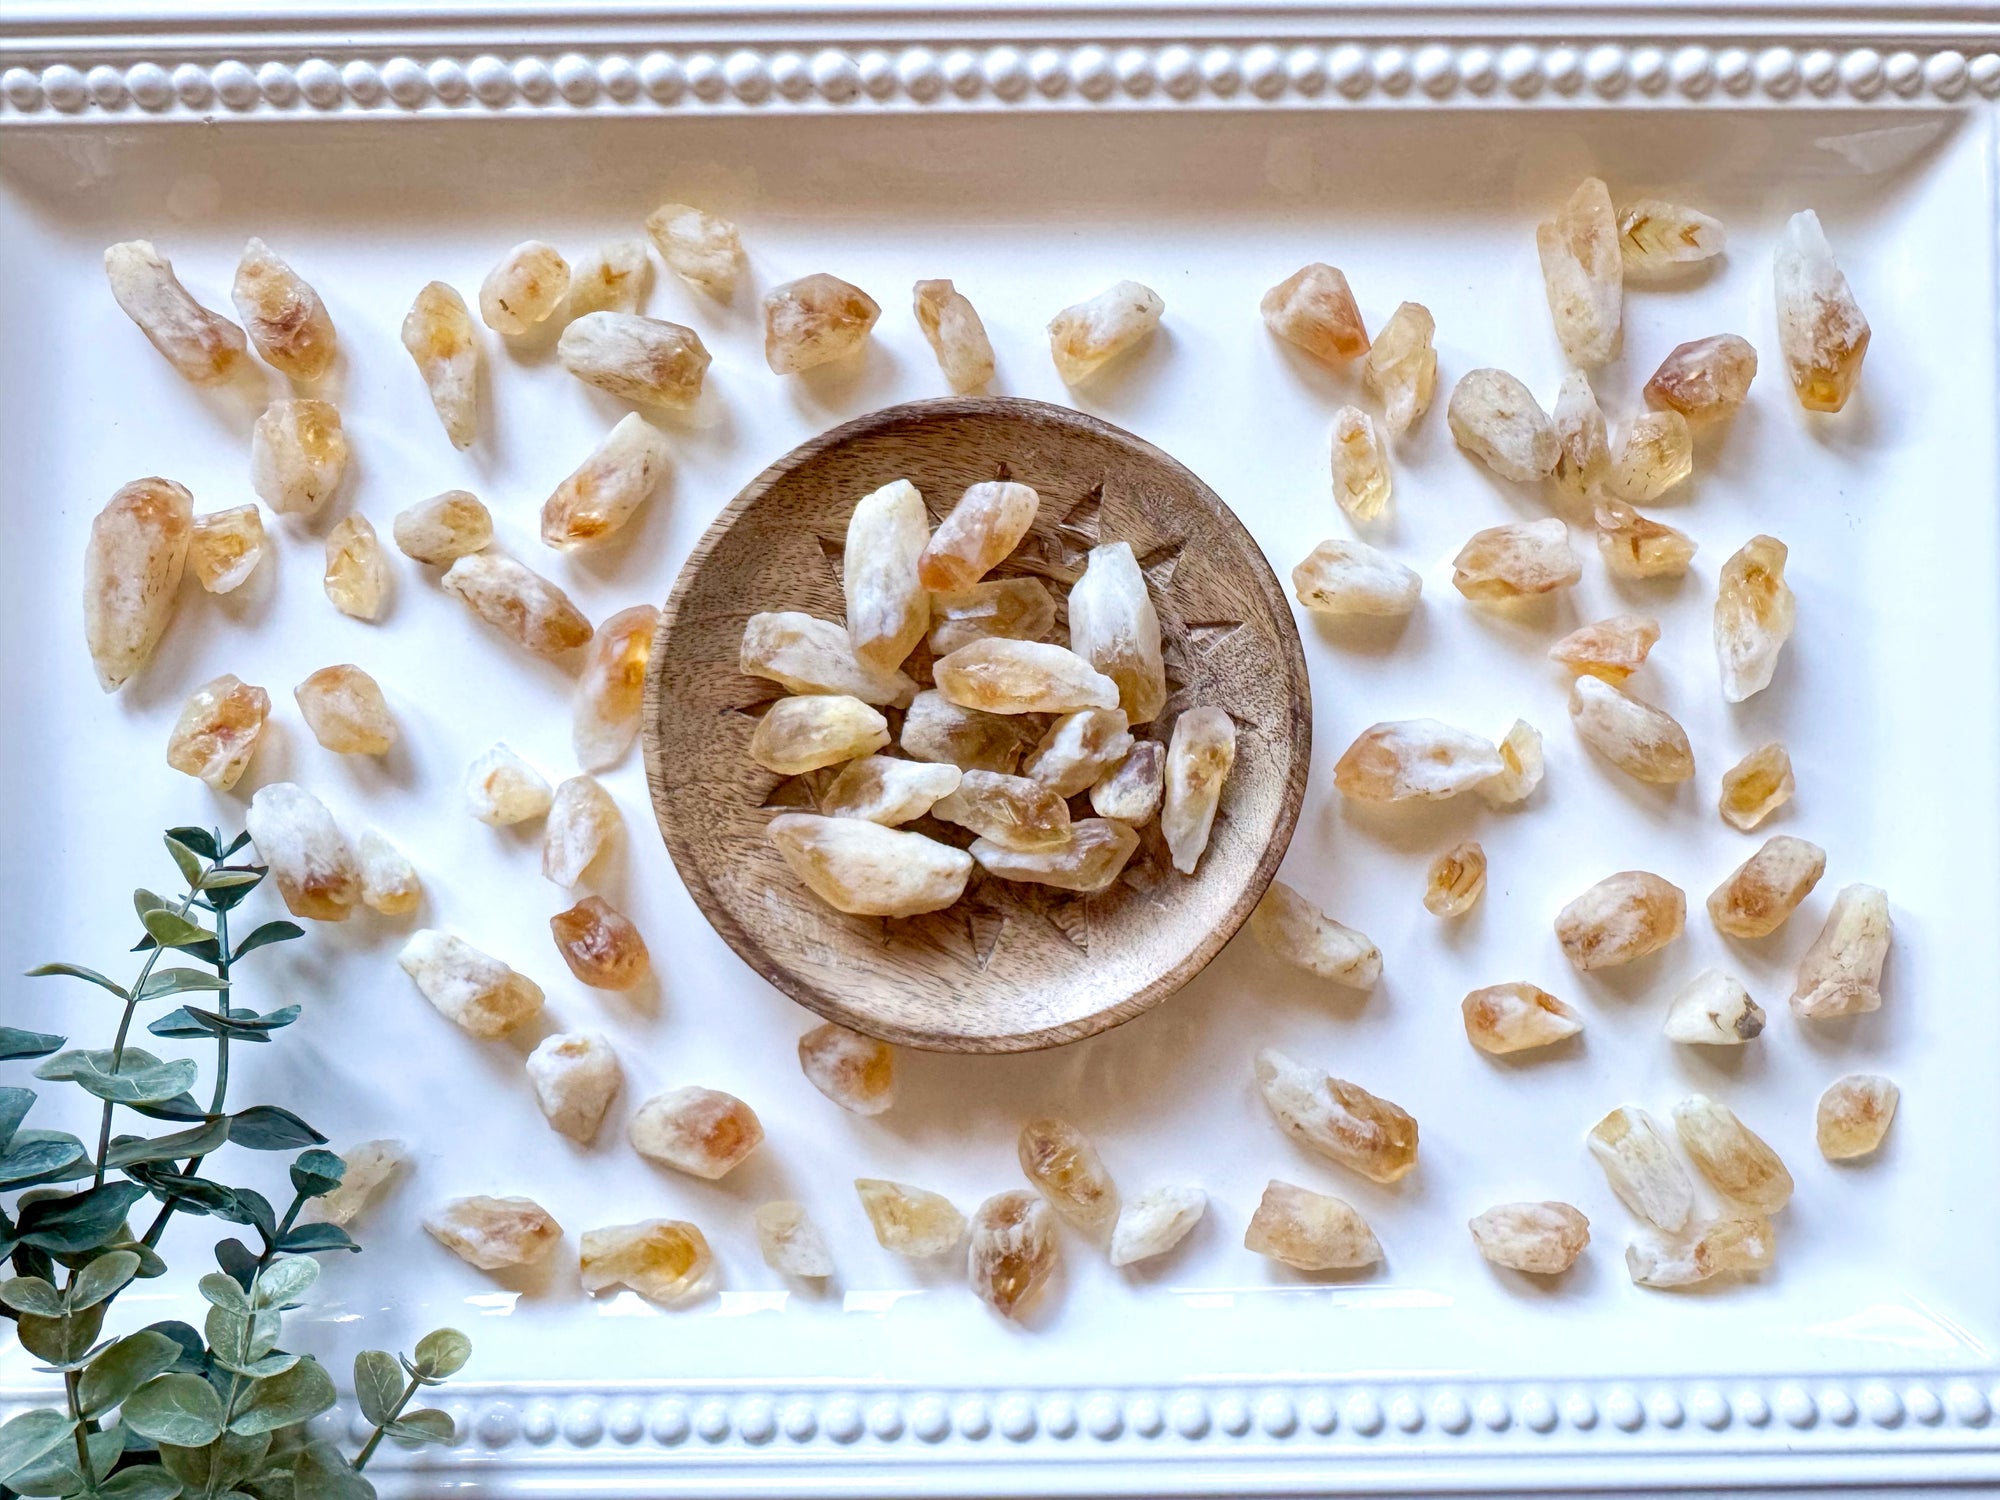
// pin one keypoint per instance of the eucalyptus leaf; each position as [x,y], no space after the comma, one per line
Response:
[32,1294]
[181,1409]
[121,1369]
[378,1385]
[236,843]
[187,859]
[323,1473]
[29,1436]
[141,1482]
[225,878]
[248,1206]
[226,1463]
[262,1368]
[79,1221]
[163,982]
[284,1279]
[196,1142]
[301,1393]
[193,1347]
[197,1195]
[237,1261]
[271,932]
[205,950]
[240,1025]
[144,901]
[316,1237]
[138,1077]
[14,1106]
[426,1425]
[16,1044]
[102,1278]
[441,1354]
[219,1290]
[64,1342]
[57,1472]
[42,1156]
[181,1107]
[317,1173]
[78,971]
[265,1127]
[200,840]
[172,930]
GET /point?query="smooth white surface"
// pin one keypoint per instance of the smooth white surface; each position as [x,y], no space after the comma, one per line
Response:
[1886,697]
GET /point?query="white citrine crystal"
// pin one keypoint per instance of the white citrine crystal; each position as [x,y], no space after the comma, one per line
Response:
[474,989]
[501,788]
[575,1075]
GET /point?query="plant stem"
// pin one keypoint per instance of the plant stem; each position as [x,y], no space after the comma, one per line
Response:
[72,1379]
[375,1438]
[159,1224]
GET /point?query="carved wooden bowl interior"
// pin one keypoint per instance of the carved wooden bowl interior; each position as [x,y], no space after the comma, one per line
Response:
[1012,967]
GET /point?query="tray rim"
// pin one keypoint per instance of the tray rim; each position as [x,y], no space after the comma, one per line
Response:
[74,64]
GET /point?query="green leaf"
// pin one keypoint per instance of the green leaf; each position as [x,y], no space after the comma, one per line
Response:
[140,1077]
[237,1261]
[31,1294]
[194,1195]
[123,1368]
[193,1347]
[248,1206]
[239,1339]
[42,1156]
[57,1472]
[323,1473]
[284,1280]
[180,1409]
[263,1368]
[79,1221]
[426,1425]
[301,1393]
[236,843]
[229,1461]
[29,1436]
[224,878]
[316,1237]
[442,1353]
[144,901]
[265,1127]
[163,982]
[14,1106]
[141,1482]
[201,1140]
[181,1107]
[241,1025]
[219,1290]
[102,1278]
[78,971]
[378,1385]
[171,930]
[317,1173]
[199,840]
[64,1342]
[205,950]
[270,932]
[16,1044]
[187,859]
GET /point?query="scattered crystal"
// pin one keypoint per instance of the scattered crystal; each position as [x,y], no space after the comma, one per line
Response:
[1456,880]
[357,573]
[663,1260]
[791,1243]
[951,326]
[703,249]
[1199,758]
[204,346]
[132,575]
[389,883]
[1637,738]
[1020,609]
[1015,812]
[444,528]
[611,687]
[1352,578]
[1766,888]
[1711,1249]
[813,321]
[601,946]
[368,1167]
[1401,368]
[646,360]
[1097,851]
[1002,676]
[1655,453]
[1705,379]
[575,1075]
[1757,786]
[283,314]
[1494,418]
[911,1221]
[1154,1222]
[702,1132]
[797,735]
[1612,649]
[1714,1010]
[1543,1239]
[856,1072]
[884,790]
[307,855]
[1754,614]
[501,788]
[344,708]
[298,455]
[1293,929]
[1314,309]
[438,333]
[225,547]
[1520,768]
[518,602]
[1130,791]
[936,729]
[1583,444]
[1583,272]
[1659,238]
[1854,1114]
[1310,1231]
[1087,336]
[471,988]
[1641,1167]
[1841,973]
[612,278]
[1361,482]
[1340,1120]
[1621,918]
[1636,546]
[607,488]
[525,288]
[1060,1161]
[1731,1155]
[1516,1017]
[1114,627]
[1011,1249]
[1079,750]
[867,870]
[1409,758]
[987,523]
[494,1233]
[1516,561]
[1820,327]
[888,610]
[582,823]
[807,655]
[217,731]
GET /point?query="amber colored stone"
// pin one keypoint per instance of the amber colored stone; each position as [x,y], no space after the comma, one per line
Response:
[1612,649]
[225,547]
[1010,1249]
[1414,758]
[703,1132]
[1705,379]
[309,858]
[1114,627]
[1621,918]
[1516,561]
[438,333]
[1086,337]
[298,455]
[1021,609]
[1733,1157]
[951,326]
[602,494]
[1015,812]
[1456,880]
[856,1072]
[1400,370]
[1821,329]
[866,870]
[1060,1161]
[979,531]
[611,687]
[132,569]
[1763,891]
[601,946]
[1096,851]
[1641,1167]
[802,734]
[815,320]
[1516,1017]
[1340,1120]
[493,1234]
[701,248]
[663,1260]
[346,712]
[1583,272]
[204,346]
[217,731]
[1754,614]
[1659,238]
[1200,756]
[1542,1239]
[530,282]
[1310,1231]
[1636,546]
[911,1221]
[1001,676]
[518,602]
[647,360]
[1640,740]
[283,314]
[1757,786]
[803,654]
[357,573]
[1854,1115]
[1315,309]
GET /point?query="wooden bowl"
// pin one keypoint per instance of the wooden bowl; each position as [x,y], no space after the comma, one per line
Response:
[1012,967]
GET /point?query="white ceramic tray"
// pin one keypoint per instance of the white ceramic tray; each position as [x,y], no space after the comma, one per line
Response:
[1036,157]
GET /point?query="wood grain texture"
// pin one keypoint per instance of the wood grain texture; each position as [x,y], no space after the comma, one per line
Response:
[1012,967]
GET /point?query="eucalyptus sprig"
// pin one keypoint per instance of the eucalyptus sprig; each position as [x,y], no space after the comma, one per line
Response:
[168,1410]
